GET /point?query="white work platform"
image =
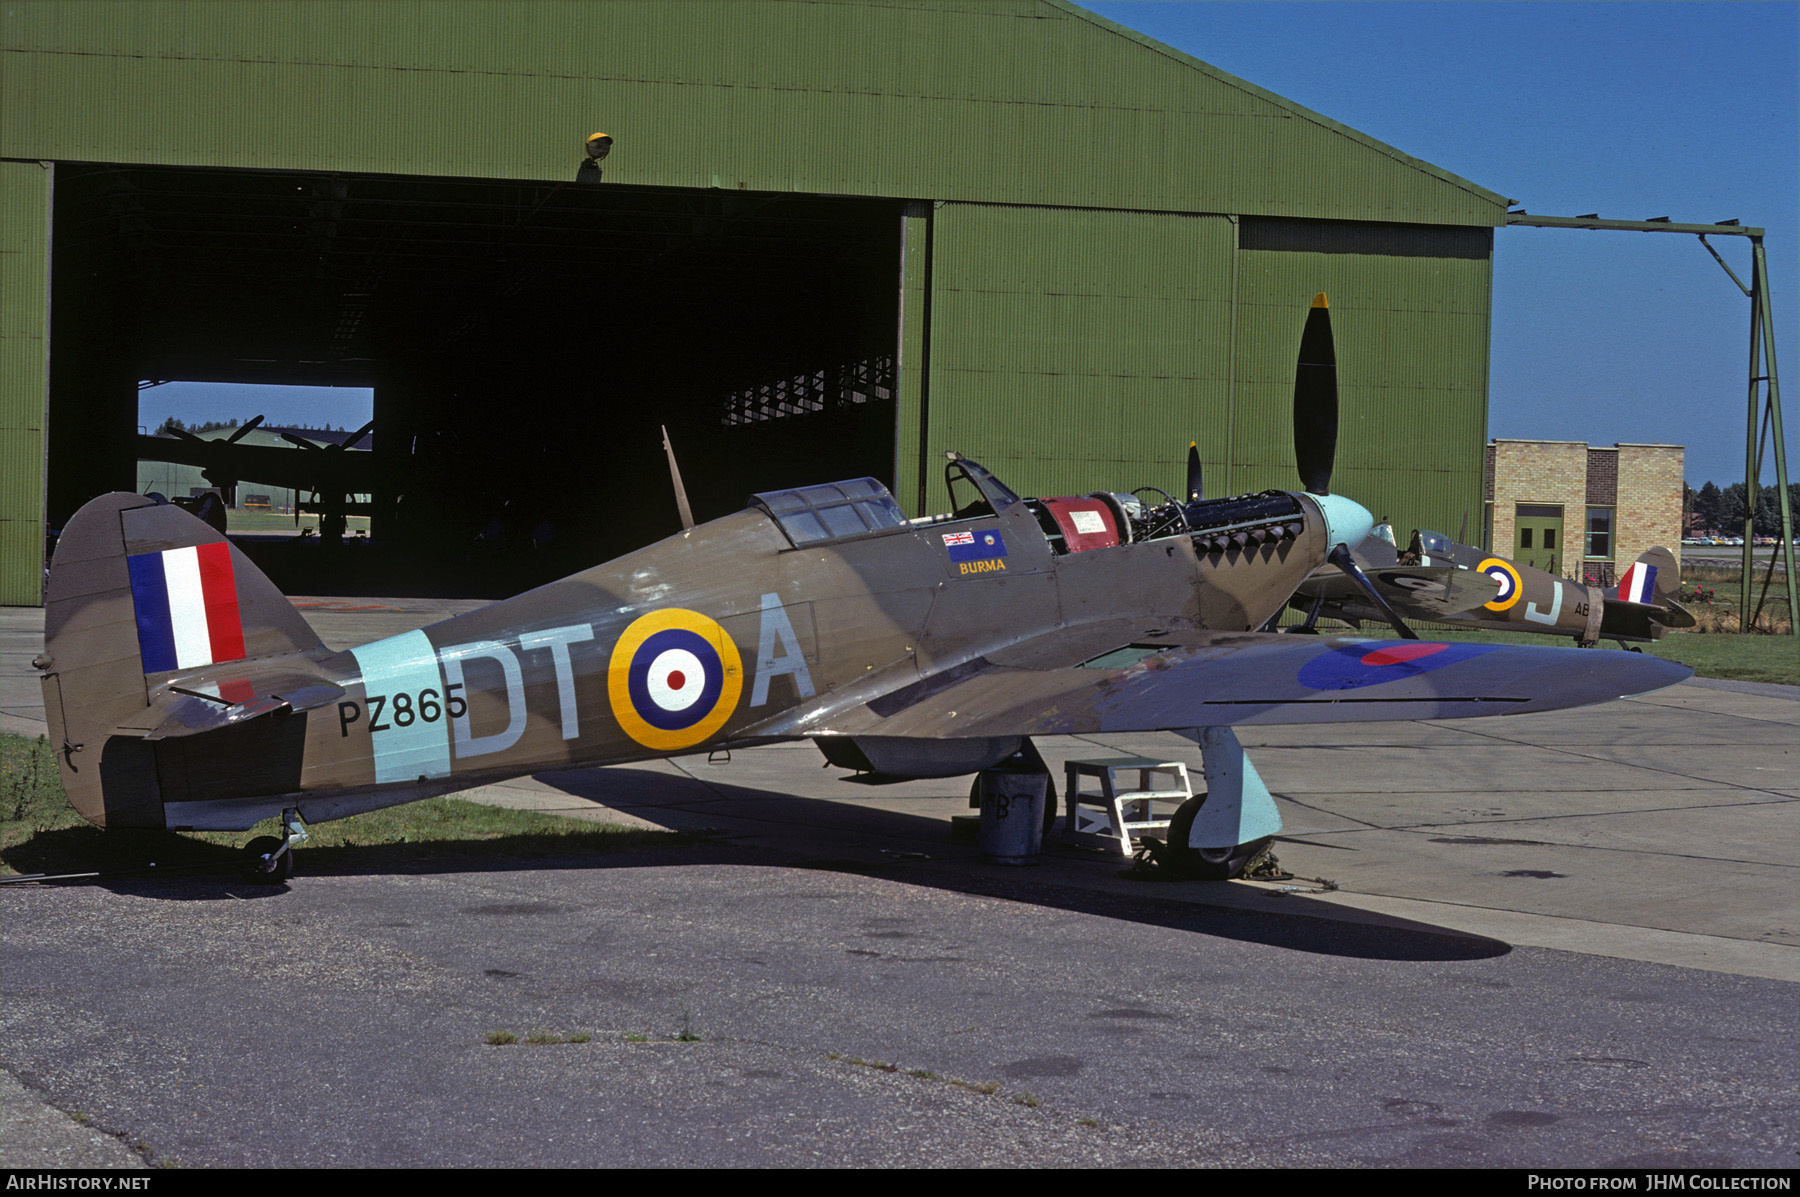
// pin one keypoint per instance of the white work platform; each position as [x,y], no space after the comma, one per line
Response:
[1127,811]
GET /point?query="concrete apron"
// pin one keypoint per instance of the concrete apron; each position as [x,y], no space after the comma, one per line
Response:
[1660,828]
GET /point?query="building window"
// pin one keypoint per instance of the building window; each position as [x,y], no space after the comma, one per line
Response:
[1524,538]
[1600,532]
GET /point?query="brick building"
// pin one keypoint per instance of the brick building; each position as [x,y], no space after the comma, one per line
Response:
[1581,511]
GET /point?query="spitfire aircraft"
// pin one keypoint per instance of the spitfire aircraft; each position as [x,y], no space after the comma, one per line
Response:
[184,691]
[1436,578]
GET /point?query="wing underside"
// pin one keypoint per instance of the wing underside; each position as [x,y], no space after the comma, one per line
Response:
[1241,678]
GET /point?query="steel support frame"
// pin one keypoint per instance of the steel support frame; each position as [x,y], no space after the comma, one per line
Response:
[1763,407]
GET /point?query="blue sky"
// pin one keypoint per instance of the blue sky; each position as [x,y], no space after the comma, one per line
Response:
[280,406]
[1626,109]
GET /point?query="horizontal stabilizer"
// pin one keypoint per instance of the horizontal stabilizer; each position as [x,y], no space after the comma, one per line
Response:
[1644,621]
[194,707]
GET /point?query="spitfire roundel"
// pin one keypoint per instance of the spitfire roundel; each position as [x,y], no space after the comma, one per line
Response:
[674,680]
[1502,571]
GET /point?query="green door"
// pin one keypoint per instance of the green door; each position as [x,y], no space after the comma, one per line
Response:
[1537,536]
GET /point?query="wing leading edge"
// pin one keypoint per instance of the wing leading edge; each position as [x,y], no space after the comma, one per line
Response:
[1243,678]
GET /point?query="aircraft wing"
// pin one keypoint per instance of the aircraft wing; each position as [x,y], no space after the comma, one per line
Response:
[1238,678]
[1415,591]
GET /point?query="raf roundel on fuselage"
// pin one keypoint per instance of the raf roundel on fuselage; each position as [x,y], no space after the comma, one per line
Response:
[674,679]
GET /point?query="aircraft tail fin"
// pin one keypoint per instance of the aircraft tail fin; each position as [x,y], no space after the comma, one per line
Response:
[140,594]
[1654,578]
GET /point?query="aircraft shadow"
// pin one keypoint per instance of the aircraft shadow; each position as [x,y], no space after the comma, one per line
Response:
[847,836]
[816,834]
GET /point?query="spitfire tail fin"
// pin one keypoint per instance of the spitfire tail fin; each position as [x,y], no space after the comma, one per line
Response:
[141,593]
[1654,578]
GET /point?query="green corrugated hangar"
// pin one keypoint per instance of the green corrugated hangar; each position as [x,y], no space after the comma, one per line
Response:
[831,239]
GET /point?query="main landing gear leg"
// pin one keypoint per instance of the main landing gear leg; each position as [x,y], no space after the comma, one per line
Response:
[268,859]
[1218,832]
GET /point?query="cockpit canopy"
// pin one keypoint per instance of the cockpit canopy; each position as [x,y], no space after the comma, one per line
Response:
[1434,548]
[1435,544]
[831,511]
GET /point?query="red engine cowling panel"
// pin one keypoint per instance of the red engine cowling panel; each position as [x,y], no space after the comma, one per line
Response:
[1085,523]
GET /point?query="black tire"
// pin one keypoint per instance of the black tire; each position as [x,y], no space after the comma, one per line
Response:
[263,872]
[1207,864]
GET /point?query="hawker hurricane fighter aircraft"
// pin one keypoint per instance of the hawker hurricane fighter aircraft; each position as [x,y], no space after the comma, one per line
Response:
[1436,578]
[184,691]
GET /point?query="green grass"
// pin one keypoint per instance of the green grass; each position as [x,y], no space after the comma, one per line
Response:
[267,523]
[1741,658]
[41,833]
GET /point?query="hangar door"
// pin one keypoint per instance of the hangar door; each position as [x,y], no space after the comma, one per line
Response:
[1075,349]
[1078,349]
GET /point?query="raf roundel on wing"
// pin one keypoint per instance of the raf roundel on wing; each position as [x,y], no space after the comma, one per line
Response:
[1355,666]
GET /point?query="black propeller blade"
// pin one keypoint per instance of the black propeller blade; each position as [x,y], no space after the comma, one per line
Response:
[303,443]
[243,431]
[1316,401]
[1340,557]
[1196,488]
[357,436]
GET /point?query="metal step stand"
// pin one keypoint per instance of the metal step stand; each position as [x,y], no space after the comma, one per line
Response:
[1127,812]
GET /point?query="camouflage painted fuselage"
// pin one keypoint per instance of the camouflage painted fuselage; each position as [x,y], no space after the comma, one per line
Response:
[708,638]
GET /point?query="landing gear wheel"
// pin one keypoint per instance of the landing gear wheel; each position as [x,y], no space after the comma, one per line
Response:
[1206,864]
[262,871]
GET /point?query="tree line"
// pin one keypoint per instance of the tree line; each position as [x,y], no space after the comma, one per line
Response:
[1722,509]
[171,424]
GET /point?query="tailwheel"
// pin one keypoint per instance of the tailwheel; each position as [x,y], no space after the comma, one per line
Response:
[1205,864]
[267,861]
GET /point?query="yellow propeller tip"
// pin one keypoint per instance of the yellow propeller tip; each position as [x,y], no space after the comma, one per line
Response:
[1319,301]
